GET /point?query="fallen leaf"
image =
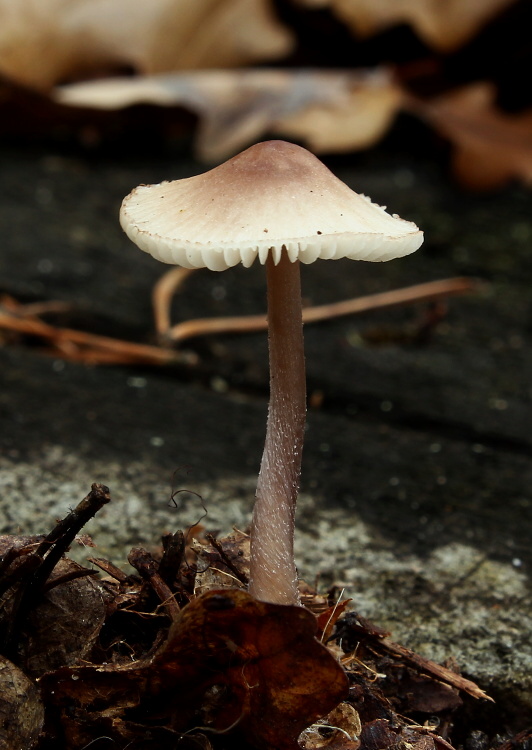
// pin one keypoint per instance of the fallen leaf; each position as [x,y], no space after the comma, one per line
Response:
[379,734]
[491,147]
[55,635]
[339,730]
[442,24]
[352,122]
[244,664]
[21,709]
[45,42]
[329,110]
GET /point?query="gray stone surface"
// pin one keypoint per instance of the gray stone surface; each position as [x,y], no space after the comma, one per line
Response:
[417,472]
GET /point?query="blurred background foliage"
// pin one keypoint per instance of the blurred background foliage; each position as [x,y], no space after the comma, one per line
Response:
[450,78]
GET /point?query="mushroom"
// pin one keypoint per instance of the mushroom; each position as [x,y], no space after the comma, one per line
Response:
[278,202]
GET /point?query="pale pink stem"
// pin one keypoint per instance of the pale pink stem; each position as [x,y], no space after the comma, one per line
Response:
[273,574]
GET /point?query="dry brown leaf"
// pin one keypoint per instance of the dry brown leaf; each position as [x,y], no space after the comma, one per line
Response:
[354,121]
[329,110]
[490,147]
[43,42]
[342,728]
[229,662]
[54,634]
[21,710]
[442,24]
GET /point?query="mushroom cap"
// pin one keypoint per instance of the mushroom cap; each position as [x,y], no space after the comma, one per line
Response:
[272,196]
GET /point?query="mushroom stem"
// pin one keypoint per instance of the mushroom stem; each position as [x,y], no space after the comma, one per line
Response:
[273,574]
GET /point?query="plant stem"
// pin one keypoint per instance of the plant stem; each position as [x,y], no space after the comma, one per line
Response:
[273,574]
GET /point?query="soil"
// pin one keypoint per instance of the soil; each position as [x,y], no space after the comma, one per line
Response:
[417,472]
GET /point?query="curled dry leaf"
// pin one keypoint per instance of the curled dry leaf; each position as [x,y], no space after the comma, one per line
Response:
[21,709]
[240,663]
[339,729]
[328,110]
[45,42]
[490,147]
[442,24]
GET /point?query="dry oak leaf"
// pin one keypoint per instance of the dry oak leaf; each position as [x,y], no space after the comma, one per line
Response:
[490,147]
[229,661]
[443,24]
[330,111]
[44,42]
[21,710]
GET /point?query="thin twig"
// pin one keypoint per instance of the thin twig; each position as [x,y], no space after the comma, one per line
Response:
[101,349]
[33,309]
[426,292]
[435,670]
[226,559]
[142,561]
[162,295]
[109,568]
[60,538]
[72,576]
[174,553]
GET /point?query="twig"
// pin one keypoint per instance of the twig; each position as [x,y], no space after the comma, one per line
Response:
[376,638]
[162,296]
[32,309]
[429,291]
[72,576]
[435,670]
[173,555]
[41,562]
[109,568]
[96,348]
[142,561]
[226,559]
[520,740]
[61,537]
